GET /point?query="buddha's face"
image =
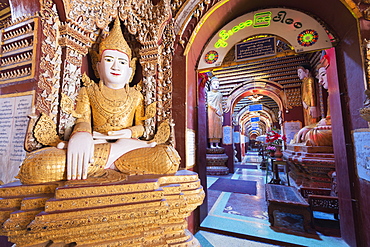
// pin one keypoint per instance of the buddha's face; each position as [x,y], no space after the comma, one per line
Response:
[215,84]
[302,73]
[114,69]
[323,79]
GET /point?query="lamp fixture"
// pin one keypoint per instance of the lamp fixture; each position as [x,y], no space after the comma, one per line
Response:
[255,97]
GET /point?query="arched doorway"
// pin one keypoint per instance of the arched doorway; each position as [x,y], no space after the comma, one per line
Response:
[349,44]
[240,107]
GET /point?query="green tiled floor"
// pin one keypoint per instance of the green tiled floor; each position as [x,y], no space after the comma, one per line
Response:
[246,215]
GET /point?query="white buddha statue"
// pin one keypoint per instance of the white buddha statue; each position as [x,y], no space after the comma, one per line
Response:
[215,113]
[109,123]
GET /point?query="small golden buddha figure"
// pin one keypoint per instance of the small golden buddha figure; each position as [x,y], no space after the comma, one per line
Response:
[318,134]
[104,141]
[215,113]
[308,95]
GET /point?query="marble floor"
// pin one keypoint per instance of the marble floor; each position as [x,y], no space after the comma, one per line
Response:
[237,219]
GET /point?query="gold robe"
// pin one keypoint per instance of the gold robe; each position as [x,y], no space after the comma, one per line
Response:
[309,98]
[103,109]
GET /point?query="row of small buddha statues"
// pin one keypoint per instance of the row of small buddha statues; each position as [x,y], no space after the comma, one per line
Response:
[15,73]
[16,45]
[16,59]
[18,32]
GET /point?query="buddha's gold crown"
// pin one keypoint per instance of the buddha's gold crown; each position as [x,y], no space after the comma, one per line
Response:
[115,40]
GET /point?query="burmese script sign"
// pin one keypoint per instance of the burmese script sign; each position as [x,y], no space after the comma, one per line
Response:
[14,110]
[236,137]
[255,119]
[255,49]
[361,140]
[257,107]
[301,31]
[190,148]
[227,135]
[291,128]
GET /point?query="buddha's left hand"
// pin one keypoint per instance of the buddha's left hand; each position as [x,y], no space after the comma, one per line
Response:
[112,135]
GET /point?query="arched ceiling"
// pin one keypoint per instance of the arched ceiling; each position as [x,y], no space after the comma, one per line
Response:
[5,13]
[303,33]
[205,17]
[206,21]
[265,101]
[281,70]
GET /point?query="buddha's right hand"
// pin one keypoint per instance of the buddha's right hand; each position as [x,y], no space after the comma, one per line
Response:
[80,153]
[301,135]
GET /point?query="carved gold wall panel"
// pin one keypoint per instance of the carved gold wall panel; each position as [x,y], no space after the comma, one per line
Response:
[75,42]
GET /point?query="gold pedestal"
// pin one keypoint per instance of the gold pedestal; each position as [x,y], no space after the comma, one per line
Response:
[310,166]
[217,161]
[146,210]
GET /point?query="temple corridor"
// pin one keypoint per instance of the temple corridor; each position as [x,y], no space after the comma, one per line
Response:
[245,216]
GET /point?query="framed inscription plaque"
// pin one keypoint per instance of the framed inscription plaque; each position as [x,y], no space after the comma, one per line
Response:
[227,135]
[14,111]
[190,148]
[291,128]
[361,141]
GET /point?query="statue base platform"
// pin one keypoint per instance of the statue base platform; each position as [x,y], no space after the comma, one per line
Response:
[217,170]
[310,166]
[219,150]
[146,210]
[216,161]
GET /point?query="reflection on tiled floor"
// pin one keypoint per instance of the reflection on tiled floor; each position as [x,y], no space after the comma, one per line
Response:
[209,239]
[246,215]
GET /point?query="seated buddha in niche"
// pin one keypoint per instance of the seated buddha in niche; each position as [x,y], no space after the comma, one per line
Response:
[318,134]
[104,141]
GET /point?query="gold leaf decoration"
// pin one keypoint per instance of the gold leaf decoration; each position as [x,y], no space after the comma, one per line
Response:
[86,80]
[67,106]
[46,131]
[150,111]
[163,133]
